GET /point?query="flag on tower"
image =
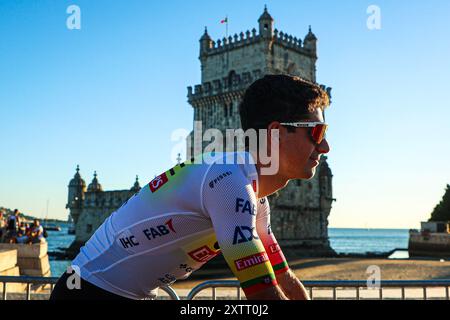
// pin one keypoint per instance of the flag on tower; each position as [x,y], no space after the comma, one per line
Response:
[224,20]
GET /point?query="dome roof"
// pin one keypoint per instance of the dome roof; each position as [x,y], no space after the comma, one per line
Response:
[95,186]
[265,16]
[310,36]
[136,187]
[205,35]
[77,181]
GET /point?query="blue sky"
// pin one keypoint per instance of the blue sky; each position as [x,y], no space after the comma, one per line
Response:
[108,97]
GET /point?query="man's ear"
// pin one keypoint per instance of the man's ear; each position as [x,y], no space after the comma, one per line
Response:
[275,125]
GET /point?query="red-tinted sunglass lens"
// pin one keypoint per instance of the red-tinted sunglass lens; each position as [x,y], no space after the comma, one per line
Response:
[318,133]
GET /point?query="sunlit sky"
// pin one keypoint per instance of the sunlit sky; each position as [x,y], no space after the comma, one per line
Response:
[108,97]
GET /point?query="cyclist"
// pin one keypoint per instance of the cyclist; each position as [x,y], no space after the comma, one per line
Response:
[198,209]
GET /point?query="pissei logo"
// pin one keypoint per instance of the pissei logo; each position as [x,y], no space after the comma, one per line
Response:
[213,182]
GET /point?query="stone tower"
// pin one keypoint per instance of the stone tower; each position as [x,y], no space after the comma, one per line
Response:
[228,66]
[77,189]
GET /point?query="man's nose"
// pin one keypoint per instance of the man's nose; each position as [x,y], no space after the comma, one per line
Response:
[323,147]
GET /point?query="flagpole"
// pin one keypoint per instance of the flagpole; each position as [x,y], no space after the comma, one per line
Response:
[226,20]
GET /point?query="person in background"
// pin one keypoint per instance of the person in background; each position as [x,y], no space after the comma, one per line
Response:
[2,225]
[22,229]
[12,227]
[23,236]
[37,232]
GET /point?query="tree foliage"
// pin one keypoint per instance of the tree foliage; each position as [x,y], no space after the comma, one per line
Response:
[442,211]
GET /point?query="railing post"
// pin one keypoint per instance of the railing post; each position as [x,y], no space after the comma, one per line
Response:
[311,293]
[28,291]
[4,290]
[381,293]
[214,293]
[239,293]
[447,293]
[334,293]
[357,294]
[403,293]
[424,293]
[171,292]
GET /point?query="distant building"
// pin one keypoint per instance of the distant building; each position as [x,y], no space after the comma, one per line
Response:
[433,240]
[228,66]
[89,208]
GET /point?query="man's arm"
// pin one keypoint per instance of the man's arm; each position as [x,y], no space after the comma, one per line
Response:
[231,205]
[287,281]
[291,286]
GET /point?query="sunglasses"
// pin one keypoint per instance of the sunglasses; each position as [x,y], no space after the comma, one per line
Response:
[316,130]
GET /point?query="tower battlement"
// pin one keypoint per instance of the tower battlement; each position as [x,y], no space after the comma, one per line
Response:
[267,49]
[251,37]
[232,83]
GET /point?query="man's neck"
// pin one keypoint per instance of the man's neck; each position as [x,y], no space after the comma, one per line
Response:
[269,184]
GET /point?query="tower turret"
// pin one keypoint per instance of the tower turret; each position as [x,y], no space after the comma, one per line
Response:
[77,188]
[95,186]
[206,43]
[325,184]
[136,187]
[310,41]
[266,24]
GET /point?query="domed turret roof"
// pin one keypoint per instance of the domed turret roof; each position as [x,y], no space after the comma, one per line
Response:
[136,187]
[95,186]
[205,36]
[265,16]
[310,36]
[77,181]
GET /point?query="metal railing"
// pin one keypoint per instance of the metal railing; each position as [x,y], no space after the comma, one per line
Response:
[335,286]
[357,286]
[37,281]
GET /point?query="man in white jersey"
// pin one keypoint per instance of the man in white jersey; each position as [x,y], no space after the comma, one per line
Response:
[198,209]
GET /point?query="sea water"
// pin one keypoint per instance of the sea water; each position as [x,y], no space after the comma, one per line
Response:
[342,240]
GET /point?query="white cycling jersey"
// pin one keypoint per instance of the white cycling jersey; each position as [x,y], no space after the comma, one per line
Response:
[178,222]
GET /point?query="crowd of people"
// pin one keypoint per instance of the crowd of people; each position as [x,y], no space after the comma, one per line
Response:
[14,229]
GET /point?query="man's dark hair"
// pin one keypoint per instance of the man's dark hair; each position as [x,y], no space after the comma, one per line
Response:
[280,98]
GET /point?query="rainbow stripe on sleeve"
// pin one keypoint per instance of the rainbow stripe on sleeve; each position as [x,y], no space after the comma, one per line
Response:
[277,258]
[251,265]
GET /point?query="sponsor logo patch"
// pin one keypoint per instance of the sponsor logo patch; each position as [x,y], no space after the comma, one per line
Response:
[244,206]
[244,234]
[274,248]
[158,182]
[202,254]
[213,182]
[159,231]
[251,261]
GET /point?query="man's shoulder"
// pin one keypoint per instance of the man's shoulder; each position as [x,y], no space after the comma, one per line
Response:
[234,166]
